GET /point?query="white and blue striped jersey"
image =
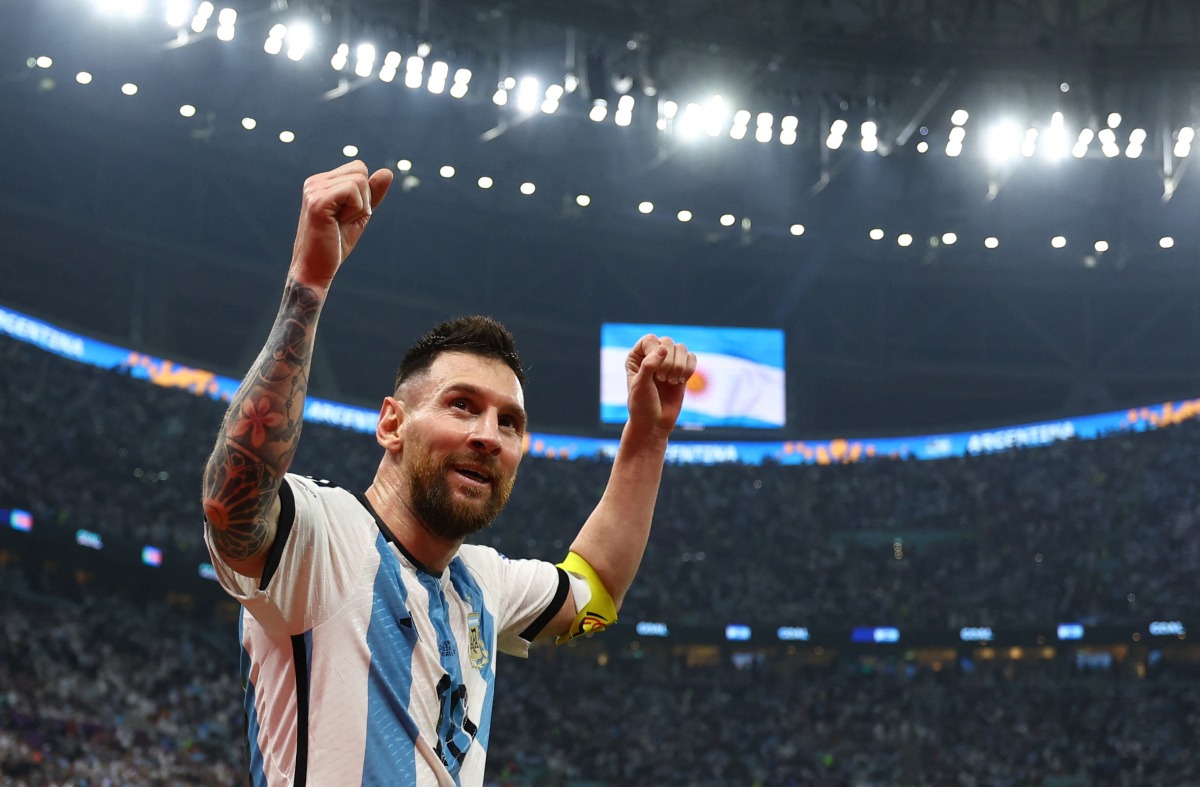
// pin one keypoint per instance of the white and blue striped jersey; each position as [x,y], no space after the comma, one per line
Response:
[361,666]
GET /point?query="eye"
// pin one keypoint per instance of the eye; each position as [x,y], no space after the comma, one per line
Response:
[460,404]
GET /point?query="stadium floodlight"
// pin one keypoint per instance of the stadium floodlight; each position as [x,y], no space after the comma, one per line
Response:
[954,149]
[528,92]
[1059,241]
[715,115]
[991,242]
[669,109]
[904,239]
[129,89]
[550,106]
[485,182]
[787,136]
[691,121]
[922,147]
[1166,242]
[645,207]
[187,111]
[340,57]
[458,89]
[796,229]
[423,49]
[176,12]
[876,234]
[1114,120]
[869,130]
[1029,144]
[960,117]
[949,238]
[727,219]
[684,216]
[500,97]
[583,200]
[737,132]
[364,60]
[300,39]
[599,110]
[249,123]
[273,45]
[350,151]
[958,134]
[1133,150]
[404,165]
[446,171]
[1002,142]
[528,188]
[287,136]
[1101,246]
[1137,137]
[83,78]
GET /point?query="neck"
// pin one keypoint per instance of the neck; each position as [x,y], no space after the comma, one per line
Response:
[434,552]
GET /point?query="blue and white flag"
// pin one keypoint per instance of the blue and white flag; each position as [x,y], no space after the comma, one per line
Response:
[739,379]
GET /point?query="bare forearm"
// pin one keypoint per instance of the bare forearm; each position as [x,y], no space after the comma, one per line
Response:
[260,432]
[614,537]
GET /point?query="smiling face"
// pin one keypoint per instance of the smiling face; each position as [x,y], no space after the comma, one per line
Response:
[463,427]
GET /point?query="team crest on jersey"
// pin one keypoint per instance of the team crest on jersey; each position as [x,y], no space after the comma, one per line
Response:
[476,651]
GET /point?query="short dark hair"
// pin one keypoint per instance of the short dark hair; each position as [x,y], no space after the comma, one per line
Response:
[475,334]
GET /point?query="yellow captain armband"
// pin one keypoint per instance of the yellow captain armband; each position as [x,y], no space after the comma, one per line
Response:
[595,610]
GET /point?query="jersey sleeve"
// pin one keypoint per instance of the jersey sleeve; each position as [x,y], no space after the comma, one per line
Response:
[528,592]
[309,564]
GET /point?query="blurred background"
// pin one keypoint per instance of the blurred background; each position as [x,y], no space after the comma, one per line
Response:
[963,231]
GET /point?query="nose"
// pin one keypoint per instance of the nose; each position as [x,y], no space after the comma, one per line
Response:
[485,436]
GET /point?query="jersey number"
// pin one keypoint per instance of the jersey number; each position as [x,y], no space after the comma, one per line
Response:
[455,730]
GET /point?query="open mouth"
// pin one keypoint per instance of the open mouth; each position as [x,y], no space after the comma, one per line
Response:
[477,476]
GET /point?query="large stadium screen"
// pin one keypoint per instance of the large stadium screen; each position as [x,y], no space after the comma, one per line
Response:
[739,379]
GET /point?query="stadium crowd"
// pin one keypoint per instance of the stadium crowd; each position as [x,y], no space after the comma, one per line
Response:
[105,688]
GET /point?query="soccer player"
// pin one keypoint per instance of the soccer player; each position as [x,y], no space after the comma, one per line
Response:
[369,628]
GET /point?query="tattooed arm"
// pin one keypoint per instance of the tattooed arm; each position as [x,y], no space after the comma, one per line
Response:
[262,426]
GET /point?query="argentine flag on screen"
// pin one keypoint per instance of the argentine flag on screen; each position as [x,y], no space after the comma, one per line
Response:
[739,379]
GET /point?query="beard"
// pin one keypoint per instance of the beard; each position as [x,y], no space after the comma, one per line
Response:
[443,513]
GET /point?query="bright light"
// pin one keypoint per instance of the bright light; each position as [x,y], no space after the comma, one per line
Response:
[870,144]
[1166,242]
[187,110]
[129,8]
[249,124]
[446,171]
[528,93]
[1029,145]
[485,182]
[623,117]
[958,134]
[414,72]
[278,31]
[1133,151]
[684,215]
[423,49]
[129,89]
[1101,246]
[599,110]
[204,12]
[949,238]
[583,200]
[436,86]
[922,147]
[176,12]
[669,109]
[737,132]
[763,133]
[869,128]
[509,83]
[44,61]
[991,242]
[1058,242]
[225,32]
[387,74]
[625,103]
[960,117]
[462,76]
[287,136]
[439,70]
[83,78]
[364,60]
[340,57]
[350,151]
[796,229]
[300,39]
[1114,120]
[839,128]
[789,123]
[1137,136]
[714,116]
[645,207]
[549,106]
[904,239]
[954,149]
[727,220]
[403,165]
[500,97]
[1003,141]
[273,46]
[228,16]
[555,92]
[458,89]
[1187,134]
[528,188]
[876,234]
